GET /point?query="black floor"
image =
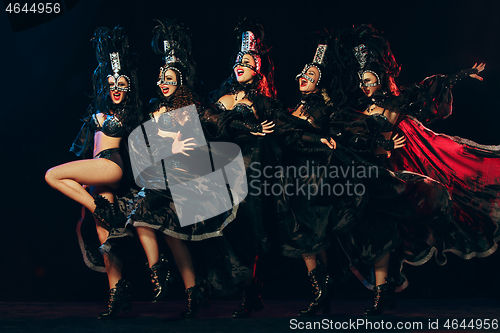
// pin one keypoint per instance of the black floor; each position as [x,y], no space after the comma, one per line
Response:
[422,315]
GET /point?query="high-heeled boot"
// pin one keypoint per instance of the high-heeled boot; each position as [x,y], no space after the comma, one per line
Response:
[160,277]
[104,212]
[119,300]
[250,300]
[321,282]
[385,296]
[197,298]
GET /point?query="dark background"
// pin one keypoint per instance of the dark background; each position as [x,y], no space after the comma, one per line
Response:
[46,80]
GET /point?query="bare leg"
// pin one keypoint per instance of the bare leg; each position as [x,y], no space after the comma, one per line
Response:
[69,177]
[147,236]
[381,269]
[310,260]
[113,271]
[183,260]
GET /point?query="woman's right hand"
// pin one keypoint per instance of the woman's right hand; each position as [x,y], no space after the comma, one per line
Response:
[329,142]
[266,128]
[479,68]
[180,146]
[398,141]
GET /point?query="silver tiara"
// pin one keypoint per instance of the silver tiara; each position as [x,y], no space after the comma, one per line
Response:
[248,46]
[363,54]
[319,57]
[115,62]
[168,48]
[116,67]
[248,42]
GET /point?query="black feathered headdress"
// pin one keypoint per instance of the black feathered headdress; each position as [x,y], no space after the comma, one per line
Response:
[172,42]
[112,54]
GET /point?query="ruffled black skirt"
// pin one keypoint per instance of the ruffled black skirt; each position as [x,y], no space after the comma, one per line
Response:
[406,214]
[316,201]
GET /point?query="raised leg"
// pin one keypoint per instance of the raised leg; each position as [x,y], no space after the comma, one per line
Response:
[68,178]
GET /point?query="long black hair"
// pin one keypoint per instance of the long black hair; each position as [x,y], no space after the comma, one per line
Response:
[108,41]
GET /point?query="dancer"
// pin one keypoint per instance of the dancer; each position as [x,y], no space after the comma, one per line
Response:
[114,112]
[243,112]
[306,224]
[383,106]
[172,128]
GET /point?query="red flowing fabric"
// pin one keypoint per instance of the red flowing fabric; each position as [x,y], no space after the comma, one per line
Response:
[471,173]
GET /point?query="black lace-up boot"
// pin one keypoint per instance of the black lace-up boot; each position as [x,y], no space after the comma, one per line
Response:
[119,300]
[250,300]
[385,296]
[160,277]
[197,298]
[321,282]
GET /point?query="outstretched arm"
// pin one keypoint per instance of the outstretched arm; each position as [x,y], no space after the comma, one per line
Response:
[472,72]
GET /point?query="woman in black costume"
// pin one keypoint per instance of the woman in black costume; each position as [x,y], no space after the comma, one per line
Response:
[243,114]
[176,143]
[306,224]
[430,229]
[114,113]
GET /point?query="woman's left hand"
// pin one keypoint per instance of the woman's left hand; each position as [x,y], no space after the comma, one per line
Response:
[181,146]
[479,68]
[399,142]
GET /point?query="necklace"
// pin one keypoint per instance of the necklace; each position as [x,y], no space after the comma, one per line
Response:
[236,95]
[302,111]
[370,108]
[247,89]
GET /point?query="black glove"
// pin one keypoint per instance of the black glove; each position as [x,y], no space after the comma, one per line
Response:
[452,79]
[384,143]
[311,137]
[242,125]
